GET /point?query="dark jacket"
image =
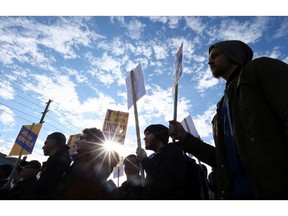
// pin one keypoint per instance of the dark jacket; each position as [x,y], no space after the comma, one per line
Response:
[55,167]
[130,190]
[22,190]
[258,105]
[85,181]
[166,174]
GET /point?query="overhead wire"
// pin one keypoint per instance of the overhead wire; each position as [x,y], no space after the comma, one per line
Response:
[31,107]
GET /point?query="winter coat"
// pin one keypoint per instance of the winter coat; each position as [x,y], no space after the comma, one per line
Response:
[258,105]
[53,172]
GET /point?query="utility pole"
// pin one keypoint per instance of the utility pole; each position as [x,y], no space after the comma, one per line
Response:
[45,111]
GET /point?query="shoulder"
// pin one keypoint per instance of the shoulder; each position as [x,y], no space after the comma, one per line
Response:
[265,62]
[172,148]
[264,69]
[61,156]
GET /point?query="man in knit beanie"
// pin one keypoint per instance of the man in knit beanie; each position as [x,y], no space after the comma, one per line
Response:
[250,127]
[237,51]
[160,132]
[226,56]
[165,169]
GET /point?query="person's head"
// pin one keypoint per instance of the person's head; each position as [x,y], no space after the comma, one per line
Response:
[131,165]
[30,169]
[227,55]
[91,142]
[53,143]
[5,171]
[156,136]
[91,150]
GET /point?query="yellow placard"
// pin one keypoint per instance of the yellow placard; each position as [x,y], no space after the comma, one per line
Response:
[72,143]
[115,126]
[26,139]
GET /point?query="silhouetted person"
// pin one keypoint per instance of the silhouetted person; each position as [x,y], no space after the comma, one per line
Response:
[250,128]
[23,188]
[54,168]
[131,189]
[166,169]
[88,176]
[5,171]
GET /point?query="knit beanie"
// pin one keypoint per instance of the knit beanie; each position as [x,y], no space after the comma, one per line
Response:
[159,131]
[237,51]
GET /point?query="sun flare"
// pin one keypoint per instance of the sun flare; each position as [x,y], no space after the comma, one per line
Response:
[110,146]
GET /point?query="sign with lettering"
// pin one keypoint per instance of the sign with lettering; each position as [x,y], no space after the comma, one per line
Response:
[26,139]
[73,143]
[115,126]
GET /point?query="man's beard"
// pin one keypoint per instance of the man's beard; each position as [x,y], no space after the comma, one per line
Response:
[219,71]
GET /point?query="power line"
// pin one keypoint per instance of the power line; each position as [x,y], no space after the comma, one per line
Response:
[21,90]
[17,95]
[17,110]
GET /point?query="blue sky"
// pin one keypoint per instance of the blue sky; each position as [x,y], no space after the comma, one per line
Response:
[81,63]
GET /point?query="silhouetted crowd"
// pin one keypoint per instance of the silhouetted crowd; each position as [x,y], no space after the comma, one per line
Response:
[169,173]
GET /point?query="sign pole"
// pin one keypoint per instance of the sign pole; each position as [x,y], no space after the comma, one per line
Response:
[175,106]
[136,122]
[177,75]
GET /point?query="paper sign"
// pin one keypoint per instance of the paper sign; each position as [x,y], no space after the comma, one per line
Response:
[189,126]
[140,90]
[73,144]
[26,139]
[178,66]
[115,126]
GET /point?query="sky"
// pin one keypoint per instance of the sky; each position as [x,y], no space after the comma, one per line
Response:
[81,61]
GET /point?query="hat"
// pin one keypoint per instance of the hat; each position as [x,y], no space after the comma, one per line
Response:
[237,51]
[159,131]
[59,137]
[34,163]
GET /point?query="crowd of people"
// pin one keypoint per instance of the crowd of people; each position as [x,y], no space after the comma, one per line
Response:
[249,159]
[170,174]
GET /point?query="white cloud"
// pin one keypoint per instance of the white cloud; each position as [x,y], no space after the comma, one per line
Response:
[160,51]
[143,49]
[206,81]
[159,103]
[6,117]
[135,28]
[195,23]
[172,21]
[248,31]
[203,122]
[107,70]
[61,36]
[6,90]
[285,60]
[282,31]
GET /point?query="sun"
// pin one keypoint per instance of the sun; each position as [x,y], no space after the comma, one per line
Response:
[110,145]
